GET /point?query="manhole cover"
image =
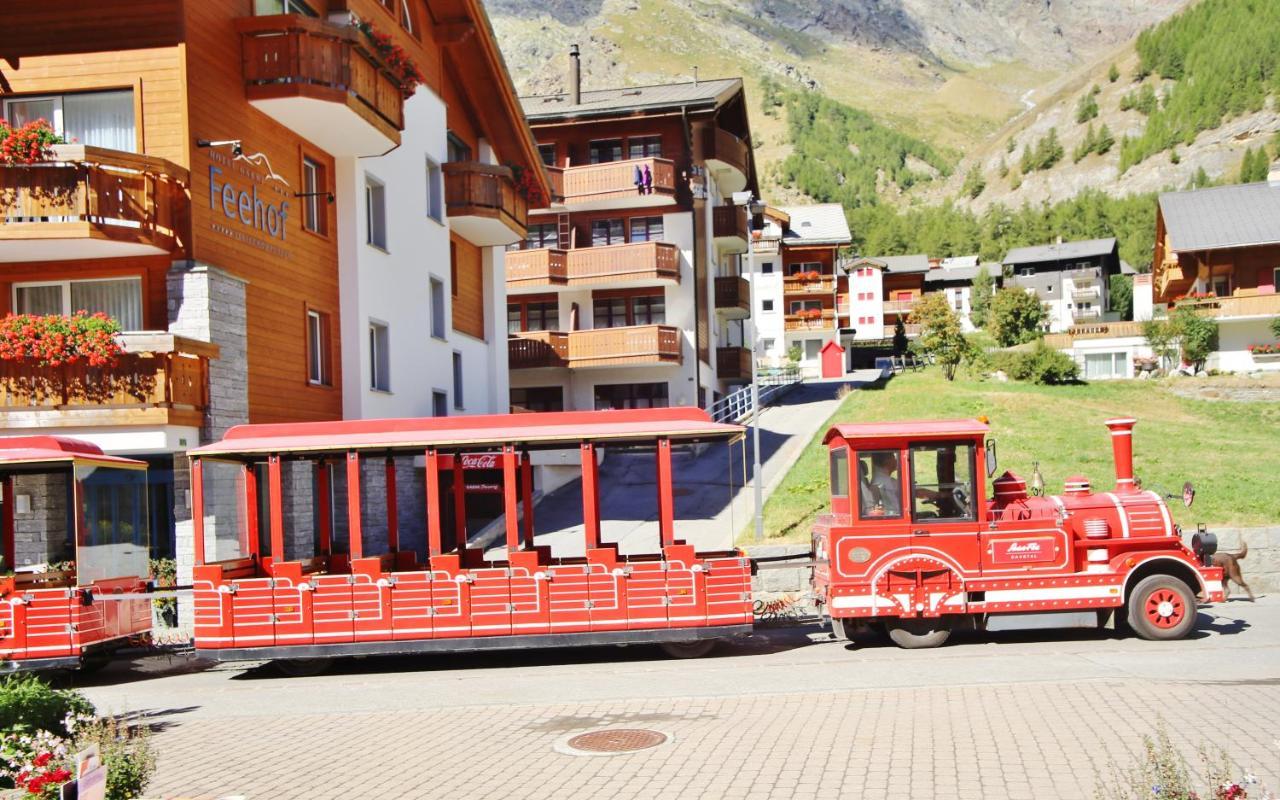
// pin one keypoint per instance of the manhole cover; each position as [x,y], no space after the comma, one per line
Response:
[612,741]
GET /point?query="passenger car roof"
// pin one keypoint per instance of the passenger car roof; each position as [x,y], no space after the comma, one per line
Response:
[907,429]
[55,449]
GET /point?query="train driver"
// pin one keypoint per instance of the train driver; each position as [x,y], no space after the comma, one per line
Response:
[887,482]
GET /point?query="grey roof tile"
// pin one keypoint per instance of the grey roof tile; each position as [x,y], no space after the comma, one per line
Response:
[1085,248]
[632,98]
[1222,216]
[823,223]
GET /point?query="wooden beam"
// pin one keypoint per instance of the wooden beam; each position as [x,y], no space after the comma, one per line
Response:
[197,511]
[590,497]
[275,495]
[666,499]
[433,504]
[451,33]
[355,545]
[509,497]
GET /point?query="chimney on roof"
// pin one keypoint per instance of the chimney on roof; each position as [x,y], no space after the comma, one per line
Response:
[575,75]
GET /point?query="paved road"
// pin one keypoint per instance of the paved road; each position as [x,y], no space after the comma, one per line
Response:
[786,713]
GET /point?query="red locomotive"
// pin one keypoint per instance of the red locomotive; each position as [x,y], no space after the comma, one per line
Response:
[74,582]
[913,543]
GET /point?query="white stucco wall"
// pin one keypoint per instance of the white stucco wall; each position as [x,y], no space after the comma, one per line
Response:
[393,286]
[1234,338]
[866,300]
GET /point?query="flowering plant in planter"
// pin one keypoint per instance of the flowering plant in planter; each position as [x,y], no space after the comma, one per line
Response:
[810,313]
[1265,349]
[526,184]
[27,143]
[811,276]
[55,339]
[396,59]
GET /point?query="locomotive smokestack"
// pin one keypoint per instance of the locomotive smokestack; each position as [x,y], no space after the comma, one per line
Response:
[575,75]
[1122,448]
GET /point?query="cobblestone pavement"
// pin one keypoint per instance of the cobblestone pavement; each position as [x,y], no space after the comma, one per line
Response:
[785,714]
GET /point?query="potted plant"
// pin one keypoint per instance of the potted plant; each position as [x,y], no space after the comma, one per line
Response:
[394,57]
[29,143]
[54,340]
[1265,353]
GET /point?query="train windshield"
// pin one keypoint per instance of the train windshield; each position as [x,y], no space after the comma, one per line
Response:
[942,482]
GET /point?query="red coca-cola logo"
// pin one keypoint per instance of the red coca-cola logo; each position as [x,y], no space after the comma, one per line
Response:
[480,461]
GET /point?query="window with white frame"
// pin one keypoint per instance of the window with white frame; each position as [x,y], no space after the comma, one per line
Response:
[318,348]
[118,298]
[315,216]
[1106,365]
[435,190]
[101,119]
[266,8]
[379,356]
[375,212]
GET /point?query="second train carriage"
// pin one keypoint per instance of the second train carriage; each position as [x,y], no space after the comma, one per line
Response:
[291,564]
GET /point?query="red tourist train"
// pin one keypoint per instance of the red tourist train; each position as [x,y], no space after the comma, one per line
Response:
[291,565]
[74,528]
[912,542]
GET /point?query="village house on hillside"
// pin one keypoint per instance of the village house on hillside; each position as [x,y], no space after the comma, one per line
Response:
[1071,279]
[1218,249]
[628,290]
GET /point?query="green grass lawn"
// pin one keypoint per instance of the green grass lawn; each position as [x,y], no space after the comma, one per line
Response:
[1229,450]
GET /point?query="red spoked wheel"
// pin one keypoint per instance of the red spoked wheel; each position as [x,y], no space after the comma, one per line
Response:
[1162,607]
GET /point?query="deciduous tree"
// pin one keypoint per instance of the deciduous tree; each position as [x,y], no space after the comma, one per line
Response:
[1016,315]
[940,334]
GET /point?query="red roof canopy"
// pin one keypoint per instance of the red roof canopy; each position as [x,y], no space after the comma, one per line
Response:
[910,429]
[38,449]
[542,429]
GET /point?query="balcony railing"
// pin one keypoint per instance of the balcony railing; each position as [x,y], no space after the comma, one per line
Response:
[733,363]
[1100,330]
[598,347]
[1082,275]
[733,296]
[161,379]
[825,284]
[797,322]
[483,204]
[322,81]
[898,306]
[727,157]
[113,203]
[648,262]
[619,184]
[1086,313]
[729,226]
[1235,306]
[911,329]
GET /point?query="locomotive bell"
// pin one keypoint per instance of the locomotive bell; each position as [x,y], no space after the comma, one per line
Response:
[1204,545]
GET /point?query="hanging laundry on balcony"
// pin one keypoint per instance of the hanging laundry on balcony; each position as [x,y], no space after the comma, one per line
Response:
[648,180]
[639,179]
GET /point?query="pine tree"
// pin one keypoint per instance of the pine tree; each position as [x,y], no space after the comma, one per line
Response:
[1105,140]
[1087,108]
[1086,146]
[974,183]
[1003,169]
[980,297]
[1113,74]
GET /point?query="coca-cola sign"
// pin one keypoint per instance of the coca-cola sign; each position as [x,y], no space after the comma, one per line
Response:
[480,461]
[1017,551]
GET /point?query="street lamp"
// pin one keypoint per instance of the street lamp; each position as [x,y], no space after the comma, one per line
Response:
[754,206]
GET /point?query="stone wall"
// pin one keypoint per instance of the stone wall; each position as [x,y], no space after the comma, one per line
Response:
[207,303]
[782,591]
[41,535]
[1261,567]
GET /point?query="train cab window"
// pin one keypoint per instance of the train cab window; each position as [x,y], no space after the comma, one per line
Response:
[879,484]
[840,473]
[942,482]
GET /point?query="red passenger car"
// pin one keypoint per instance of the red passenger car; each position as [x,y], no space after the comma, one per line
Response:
[75,533]
[912,541]
[300,534]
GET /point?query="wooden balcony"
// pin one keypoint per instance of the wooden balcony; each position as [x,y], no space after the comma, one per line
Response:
[825,284]
[729,227]
[161,380]
[90,202]
[483,204]
[797,322]
[727,158]
[733,296]
[599,187]
[323,81]
[1241,306]
[899,306]
[634,264]
[637,345]
[912,330]
[1104,330]
[733,363]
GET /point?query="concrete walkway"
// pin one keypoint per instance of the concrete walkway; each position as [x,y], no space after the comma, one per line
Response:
[712,505]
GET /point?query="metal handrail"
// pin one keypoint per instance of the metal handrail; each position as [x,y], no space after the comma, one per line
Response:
[736,406]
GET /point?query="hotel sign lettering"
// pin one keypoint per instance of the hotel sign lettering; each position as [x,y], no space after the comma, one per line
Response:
[246,206]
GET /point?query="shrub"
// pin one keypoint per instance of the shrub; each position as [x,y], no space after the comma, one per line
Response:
[1015,316]
[1275,327]
[127,753]
[1113,74]
[1165,773]
[940,334]
[1044,365]
[1198,335]
[28,703]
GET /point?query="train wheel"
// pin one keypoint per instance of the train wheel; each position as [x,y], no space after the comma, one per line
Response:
[1162,607]
[302,667]
[918,633]
[694,649]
